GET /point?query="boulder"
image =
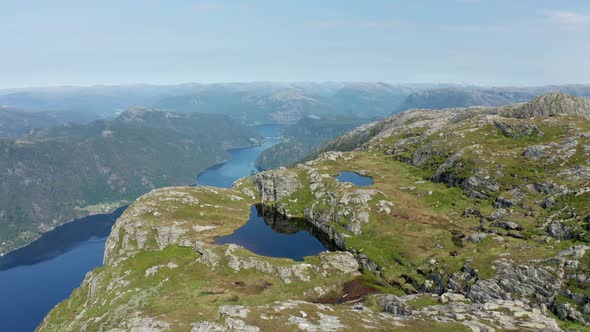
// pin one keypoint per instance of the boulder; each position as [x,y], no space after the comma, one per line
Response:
[501,202]
[560,231]
[471,212]
[507,225]
[518,129]
[566,311]
[476,237]
[394,305]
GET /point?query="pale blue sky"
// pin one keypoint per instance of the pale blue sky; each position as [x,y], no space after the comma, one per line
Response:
[493,42]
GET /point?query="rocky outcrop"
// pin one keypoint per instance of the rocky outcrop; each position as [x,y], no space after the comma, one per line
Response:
[550,104]
[394,305]
[274,185]
[350,204]
[554,151]
[343,262]
[518,129]
[489,316]
[514,282]
[577,173]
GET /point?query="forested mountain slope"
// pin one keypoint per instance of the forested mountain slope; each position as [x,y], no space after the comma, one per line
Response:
[57,174]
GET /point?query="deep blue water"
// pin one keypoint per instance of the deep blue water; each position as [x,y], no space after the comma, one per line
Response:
[242,161]
[274,238]
[37,277]
[354,178]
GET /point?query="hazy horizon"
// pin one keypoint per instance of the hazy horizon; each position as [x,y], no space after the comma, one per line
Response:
[148,84]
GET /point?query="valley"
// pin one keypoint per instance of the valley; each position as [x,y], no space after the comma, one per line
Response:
[64,255]
[58,174]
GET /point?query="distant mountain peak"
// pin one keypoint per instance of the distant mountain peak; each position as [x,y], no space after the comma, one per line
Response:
[550,104]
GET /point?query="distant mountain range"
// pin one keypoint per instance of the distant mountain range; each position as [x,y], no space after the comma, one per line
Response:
[472,96]
[308,135]
[269,102]
[15,122]
[54,175]
[287,103]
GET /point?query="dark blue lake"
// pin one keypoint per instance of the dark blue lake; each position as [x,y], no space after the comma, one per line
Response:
[275,237]
[354,178]
[37,277]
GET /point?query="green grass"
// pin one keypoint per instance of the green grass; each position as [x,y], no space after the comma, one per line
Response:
[424,233]
[422,302]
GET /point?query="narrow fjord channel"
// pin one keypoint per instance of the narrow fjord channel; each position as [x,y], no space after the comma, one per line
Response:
[37,277]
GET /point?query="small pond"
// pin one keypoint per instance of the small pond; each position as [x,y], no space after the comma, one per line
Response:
[275,237]
[354,178]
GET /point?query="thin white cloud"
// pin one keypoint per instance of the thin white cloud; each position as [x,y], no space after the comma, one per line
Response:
[569,19]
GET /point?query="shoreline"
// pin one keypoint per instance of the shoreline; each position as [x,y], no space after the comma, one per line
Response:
[221,163]
[41,234]
[111,211]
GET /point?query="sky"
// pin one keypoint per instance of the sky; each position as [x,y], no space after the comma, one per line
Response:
[488,42]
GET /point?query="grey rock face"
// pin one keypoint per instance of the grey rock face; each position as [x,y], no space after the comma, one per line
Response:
[497,215]
[553,152]
[518,129]
[535,152]
[550,104]
[471,212]
[344,262]
[510,315]
[576,173]
[502,202]
[477,237]
[517,281]
[393,305]
[274,185]
[559,231]
[507,225]
[479,187]
[476,186]
[566,311]
[426,152]
[442,175]
[550,188]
